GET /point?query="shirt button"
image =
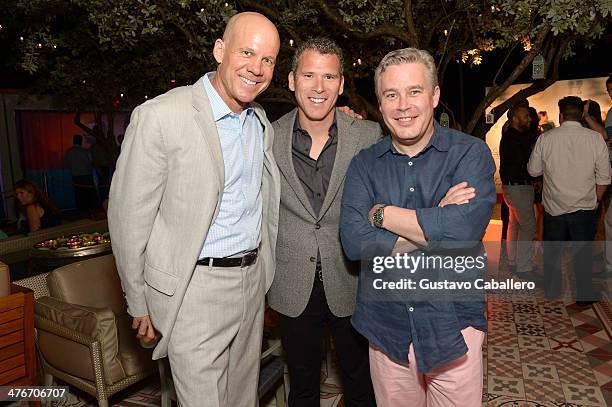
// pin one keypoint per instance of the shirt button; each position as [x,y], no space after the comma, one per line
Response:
[409,162]
[411,189]
[411,309]
[317,226]
[312,259]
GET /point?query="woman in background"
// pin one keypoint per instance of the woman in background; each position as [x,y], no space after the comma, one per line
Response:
[591,118]
[36,207]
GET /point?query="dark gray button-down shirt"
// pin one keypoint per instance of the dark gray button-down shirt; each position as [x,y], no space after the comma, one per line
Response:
[314,175]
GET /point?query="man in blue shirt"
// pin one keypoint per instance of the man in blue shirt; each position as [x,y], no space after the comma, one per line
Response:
[398,192]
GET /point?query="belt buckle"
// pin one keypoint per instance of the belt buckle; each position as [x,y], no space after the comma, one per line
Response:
[248,259]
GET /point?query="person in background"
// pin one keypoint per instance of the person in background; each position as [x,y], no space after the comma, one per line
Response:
[77,160]
[37,209]
[607,197]
[535,129]
[514,150]
[591,118]
[576,168]
[608,123]
[544,122]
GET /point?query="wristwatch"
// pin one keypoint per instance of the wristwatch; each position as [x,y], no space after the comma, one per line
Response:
[378,216]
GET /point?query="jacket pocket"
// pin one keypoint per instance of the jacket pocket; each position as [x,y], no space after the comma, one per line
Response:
[160,280]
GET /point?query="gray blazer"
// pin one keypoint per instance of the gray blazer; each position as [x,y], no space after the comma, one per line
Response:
[301,233]
[164,197]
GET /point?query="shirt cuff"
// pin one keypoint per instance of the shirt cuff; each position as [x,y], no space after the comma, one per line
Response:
[429,220]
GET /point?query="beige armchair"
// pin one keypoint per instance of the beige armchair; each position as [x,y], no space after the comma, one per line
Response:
[84,333]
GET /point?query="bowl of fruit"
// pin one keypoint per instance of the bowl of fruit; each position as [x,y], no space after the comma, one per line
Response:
[74,245]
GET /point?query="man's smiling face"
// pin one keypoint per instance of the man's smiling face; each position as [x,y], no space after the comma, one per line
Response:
[407,100]
[246,61]
[317,83]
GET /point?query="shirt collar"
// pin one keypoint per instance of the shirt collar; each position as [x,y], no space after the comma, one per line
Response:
[333,130]
[571,123]
[219,108]
[440,140]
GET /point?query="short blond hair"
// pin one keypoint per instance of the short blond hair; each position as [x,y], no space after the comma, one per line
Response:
[406,56]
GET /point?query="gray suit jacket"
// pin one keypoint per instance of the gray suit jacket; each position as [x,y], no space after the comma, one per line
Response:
[301,233]
[164,197]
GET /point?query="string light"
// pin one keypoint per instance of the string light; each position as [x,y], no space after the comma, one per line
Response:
[226,5]
[20,38]
[446,33]
[354,64]
[39,45]
[359,61]
[291,43]
[121,95]
[146,97]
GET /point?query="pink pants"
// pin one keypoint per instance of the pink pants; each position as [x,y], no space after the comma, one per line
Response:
[457,383]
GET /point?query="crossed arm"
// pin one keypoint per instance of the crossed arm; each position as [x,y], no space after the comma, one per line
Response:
[461,215]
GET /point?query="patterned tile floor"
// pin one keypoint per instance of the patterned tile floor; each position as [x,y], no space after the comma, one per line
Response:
[537,353]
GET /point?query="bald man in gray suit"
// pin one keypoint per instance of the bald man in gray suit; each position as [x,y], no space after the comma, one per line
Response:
[193,215]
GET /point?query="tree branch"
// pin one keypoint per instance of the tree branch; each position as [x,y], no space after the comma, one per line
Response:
[386,30]
[191,37]
[412,32]
[553,60]
[496,91]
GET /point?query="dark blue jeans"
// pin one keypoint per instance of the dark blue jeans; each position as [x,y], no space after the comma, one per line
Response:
[578,227]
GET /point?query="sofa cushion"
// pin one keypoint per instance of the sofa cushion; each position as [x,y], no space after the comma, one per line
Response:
[92,283]
[96,323]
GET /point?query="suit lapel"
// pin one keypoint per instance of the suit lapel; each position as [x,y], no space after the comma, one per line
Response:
[344,154]
[284,159]
[204,118]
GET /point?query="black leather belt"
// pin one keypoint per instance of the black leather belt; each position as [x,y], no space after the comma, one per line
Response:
[518,183]
[244,261]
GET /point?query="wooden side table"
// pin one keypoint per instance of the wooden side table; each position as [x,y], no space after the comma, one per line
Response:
[18,365]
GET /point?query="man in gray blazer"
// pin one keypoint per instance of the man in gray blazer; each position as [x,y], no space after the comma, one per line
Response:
[314,284]
[193,215]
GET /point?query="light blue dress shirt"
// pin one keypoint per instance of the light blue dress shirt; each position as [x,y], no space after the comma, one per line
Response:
[237,227]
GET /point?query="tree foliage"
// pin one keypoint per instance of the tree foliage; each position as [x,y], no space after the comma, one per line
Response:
[90,51]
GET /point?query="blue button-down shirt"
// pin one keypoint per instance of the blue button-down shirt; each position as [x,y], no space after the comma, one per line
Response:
[380,174]
[237,227]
